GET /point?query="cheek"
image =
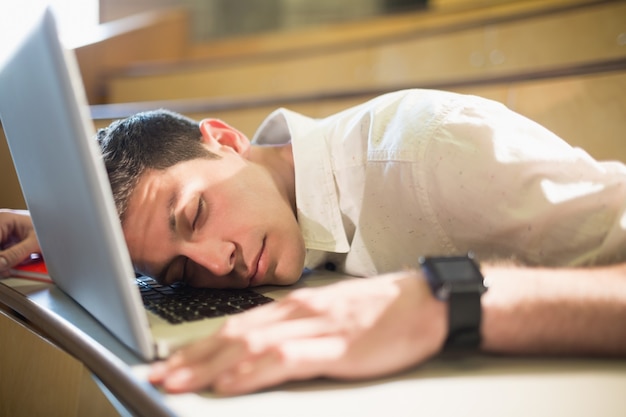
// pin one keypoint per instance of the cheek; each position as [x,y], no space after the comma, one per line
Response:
[291,258]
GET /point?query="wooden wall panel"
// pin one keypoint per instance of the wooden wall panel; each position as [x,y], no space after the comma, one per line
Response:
[149,37]
[555,40]
[589,112]
[39,379]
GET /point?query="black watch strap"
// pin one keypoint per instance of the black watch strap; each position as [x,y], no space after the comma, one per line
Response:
[458,281]
[464,318]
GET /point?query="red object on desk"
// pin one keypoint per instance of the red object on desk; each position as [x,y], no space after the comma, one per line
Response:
[35,270]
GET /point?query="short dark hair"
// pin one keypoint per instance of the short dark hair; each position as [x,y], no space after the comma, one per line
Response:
[155,139]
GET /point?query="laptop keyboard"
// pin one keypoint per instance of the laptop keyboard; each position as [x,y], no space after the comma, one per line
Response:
[178,302]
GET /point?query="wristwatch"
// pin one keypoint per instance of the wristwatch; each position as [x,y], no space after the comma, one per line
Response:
[458,281]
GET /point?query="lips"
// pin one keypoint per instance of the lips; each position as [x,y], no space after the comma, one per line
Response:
[253,278]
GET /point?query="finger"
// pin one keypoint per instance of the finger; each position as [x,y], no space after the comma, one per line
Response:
[194,366]
[187,356]
[197,366]
[18,253]
[192,376]
[291,361]
[235,327]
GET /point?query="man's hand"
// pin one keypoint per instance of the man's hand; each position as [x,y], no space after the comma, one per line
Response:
[17,239]
[350,330]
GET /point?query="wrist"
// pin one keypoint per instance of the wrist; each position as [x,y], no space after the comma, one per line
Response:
[458,281]
[430,314]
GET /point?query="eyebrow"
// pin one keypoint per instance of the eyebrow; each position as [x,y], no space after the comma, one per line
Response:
[171,205]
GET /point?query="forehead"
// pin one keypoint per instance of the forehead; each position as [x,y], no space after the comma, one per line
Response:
[149,189]
[155,185]
[146,221]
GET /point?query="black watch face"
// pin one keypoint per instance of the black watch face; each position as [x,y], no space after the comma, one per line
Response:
[458,270]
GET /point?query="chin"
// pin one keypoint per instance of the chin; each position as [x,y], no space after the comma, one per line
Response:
[288,278]
[289,270]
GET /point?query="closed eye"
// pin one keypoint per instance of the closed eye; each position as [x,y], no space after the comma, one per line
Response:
[198,213]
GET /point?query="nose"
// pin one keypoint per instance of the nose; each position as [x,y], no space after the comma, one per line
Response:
[218,257]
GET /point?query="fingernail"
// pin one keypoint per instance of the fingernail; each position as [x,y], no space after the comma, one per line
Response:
[179,379]
[3,263]
[157,371]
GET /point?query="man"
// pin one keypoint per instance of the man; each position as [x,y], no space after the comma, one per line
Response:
[367,192]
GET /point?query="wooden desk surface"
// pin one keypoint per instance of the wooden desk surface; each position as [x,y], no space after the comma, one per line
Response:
[475,385]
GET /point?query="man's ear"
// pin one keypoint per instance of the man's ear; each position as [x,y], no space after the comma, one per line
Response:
[215,131]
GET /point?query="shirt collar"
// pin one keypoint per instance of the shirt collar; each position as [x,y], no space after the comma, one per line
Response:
[317,202]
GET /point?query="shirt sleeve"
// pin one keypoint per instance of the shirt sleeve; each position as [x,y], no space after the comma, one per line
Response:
[503,186]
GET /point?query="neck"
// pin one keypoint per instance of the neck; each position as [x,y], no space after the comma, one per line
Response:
[278,161]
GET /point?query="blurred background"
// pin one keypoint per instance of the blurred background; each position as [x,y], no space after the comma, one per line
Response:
[221,18]
[559,62]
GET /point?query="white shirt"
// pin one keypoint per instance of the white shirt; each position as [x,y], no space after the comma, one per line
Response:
[423,172]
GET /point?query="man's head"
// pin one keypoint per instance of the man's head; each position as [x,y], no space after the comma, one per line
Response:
[199,204]
[152,140]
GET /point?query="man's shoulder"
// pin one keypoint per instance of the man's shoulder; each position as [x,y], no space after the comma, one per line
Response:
[425,96]
[412,106]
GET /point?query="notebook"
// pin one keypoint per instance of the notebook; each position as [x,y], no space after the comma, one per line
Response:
[46,120]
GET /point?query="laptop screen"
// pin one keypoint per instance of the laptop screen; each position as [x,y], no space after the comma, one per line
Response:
[45,117]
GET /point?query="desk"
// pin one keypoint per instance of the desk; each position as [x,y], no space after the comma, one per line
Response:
[474,385]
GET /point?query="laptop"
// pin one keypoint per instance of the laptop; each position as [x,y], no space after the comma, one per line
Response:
[45,116]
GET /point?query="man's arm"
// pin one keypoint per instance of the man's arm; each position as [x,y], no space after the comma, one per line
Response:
[575,311]
[366,328]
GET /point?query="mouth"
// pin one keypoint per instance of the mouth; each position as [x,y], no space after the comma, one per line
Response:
[256,273]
